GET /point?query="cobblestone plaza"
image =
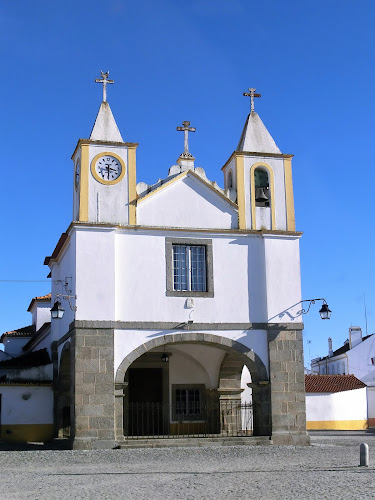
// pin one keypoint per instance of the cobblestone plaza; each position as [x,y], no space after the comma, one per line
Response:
[327,469]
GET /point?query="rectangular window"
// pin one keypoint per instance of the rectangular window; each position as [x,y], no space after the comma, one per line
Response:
[187,402]
[189,268]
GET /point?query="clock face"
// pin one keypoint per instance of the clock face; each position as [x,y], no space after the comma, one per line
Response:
[77,172]
[108,168]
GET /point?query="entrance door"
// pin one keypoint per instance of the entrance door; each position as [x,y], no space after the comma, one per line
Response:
[145,401]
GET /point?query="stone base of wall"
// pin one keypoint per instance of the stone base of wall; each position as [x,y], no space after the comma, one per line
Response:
[290,438]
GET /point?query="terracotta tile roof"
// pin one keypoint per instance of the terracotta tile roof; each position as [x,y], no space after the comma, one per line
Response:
[34,358]
[26,331]
[332,383]
[42,298]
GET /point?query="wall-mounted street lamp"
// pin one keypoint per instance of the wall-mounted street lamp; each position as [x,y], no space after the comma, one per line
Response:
[325,312]
[57,311]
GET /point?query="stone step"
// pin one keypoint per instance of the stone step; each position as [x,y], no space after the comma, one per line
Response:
[194,442]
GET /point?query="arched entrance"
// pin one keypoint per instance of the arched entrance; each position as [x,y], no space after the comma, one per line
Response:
[203,373]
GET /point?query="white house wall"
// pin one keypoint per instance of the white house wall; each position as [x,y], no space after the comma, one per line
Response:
[41,314]
[26,412]
[66,267]
[340,410]
[187,203]
[360,363]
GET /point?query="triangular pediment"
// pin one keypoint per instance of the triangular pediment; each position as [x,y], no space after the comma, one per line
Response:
[187,201]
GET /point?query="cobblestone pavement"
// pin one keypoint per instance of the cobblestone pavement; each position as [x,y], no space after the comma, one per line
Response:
[327,469]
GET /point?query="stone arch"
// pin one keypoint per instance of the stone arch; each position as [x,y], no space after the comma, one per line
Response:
[241,353]
[63,406]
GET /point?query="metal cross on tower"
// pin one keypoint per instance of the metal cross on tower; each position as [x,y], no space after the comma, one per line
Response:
[251,94]
[186,129]
[104,80]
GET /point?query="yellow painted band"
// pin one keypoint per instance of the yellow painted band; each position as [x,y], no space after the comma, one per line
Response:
[240,182]
[103,181]
[132,181]
[252,193]
[289,197]
[339,425]
[26,432]
[84,185]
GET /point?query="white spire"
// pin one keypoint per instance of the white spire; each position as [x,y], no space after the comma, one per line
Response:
[255,137]
[105,127]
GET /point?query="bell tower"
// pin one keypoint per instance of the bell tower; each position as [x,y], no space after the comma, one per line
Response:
[105,171]
[262,178]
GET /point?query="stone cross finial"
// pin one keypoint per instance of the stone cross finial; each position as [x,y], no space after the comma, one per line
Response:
[251,94]
[104,80]
[186,129]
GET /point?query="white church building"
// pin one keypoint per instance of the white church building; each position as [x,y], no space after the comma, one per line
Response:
[172,294]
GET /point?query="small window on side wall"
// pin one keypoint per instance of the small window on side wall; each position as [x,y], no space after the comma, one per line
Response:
[262,187]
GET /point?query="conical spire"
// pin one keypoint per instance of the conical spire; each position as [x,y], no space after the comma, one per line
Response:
[255,137]
[105,127]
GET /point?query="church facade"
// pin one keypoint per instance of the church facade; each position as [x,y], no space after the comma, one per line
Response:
[174,293]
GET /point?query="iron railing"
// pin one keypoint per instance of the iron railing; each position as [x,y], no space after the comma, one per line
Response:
[159,420]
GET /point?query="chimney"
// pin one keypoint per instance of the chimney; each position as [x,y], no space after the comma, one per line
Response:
[355,336]
[330,352]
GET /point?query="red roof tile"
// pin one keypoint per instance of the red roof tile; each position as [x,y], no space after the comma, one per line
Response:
[42,298]
[332,383]
[26,331]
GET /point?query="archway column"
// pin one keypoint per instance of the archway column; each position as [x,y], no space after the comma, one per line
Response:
[287,387]
[92,394]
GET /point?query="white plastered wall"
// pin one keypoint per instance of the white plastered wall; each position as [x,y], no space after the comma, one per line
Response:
[187,203]
[41,313]
[283,279]
[36,409]
[338,406]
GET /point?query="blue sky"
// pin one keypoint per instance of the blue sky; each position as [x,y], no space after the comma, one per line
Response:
[313,63]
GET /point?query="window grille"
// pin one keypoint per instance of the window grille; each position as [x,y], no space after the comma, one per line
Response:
[188,404]
[189,268]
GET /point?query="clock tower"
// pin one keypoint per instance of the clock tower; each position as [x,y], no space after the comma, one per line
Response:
[105,172]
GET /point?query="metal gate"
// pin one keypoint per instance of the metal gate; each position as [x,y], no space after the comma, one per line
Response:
[158,420]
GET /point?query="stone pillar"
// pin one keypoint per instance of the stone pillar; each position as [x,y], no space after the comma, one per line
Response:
[92,395]
[230,394]
[119,410]
[261,408]
[287,385]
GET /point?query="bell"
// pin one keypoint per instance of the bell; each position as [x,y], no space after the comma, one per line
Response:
[260,195]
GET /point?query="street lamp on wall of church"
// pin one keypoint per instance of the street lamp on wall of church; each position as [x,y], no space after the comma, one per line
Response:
[324,311]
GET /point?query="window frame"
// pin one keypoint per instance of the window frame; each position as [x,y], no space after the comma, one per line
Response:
[188,418]
[207,243]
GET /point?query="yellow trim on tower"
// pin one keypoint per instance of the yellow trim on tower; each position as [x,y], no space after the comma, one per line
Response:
[103,181]
[289,197]
[338,425]
[132,181]
[240,183]
[252,193]
[84,185]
